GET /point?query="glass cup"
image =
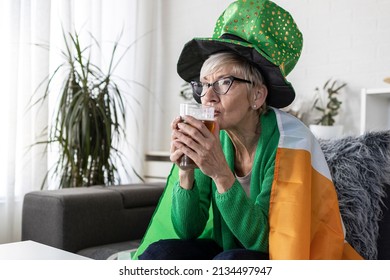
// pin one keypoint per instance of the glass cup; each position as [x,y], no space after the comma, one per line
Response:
[200,112]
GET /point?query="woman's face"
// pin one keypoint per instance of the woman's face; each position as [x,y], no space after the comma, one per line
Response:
[234,109]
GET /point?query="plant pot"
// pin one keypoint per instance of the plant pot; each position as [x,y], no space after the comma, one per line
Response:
[326,132]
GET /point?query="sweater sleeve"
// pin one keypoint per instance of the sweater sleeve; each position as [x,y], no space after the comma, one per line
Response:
[190,208]
[247,218]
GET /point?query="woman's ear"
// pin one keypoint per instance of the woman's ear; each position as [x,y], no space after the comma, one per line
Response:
[260,95]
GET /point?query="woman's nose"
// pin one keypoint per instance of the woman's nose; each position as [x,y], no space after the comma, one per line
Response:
[210,95]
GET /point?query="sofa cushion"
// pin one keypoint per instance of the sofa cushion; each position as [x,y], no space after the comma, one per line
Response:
[109,251]
[139,195]
[360,168]
[69,219]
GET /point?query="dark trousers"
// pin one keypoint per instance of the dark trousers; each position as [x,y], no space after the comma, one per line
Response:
[199,249]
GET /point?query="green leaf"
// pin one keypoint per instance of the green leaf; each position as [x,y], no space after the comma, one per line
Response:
[331,108]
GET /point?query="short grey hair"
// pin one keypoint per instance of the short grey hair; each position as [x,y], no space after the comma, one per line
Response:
[241,67]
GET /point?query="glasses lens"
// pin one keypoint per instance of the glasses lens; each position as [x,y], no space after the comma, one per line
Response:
[197,88]
[223,85]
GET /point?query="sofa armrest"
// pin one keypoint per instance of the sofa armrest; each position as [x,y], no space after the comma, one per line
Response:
[78,218]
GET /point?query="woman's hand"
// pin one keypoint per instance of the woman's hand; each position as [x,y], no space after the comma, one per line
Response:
[186,177]
[193,138]
[176,154]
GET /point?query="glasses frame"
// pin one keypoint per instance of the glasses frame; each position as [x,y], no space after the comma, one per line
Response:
[231,78]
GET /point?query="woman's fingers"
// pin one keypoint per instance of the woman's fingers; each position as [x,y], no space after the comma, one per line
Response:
[191,137]
[175,122]
[195,129]
[176,153]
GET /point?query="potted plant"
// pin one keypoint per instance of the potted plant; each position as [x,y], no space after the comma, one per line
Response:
[186,91]
[328,105]
[88,121]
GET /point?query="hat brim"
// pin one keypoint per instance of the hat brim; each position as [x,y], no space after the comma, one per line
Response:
[195,52]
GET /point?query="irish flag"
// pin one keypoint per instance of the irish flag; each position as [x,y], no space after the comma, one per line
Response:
[304,216]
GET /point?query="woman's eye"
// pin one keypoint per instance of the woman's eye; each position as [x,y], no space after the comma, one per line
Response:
[225,82]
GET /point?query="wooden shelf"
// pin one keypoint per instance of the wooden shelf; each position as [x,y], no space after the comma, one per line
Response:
[157,166]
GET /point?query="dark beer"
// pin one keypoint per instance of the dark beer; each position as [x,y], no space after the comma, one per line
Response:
[186,163]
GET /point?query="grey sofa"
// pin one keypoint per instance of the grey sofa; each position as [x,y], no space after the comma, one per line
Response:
[95,222]
[98,222]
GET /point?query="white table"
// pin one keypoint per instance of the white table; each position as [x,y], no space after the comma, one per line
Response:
[31,250]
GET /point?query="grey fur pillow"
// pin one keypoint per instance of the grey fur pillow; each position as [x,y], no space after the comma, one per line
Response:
[360,168]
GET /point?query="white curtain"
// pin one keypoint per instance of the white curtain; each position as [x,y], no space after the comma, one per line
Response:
[26,26]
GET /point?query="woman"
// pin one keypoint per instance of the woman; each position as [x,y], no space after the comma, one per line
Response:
[236,90]
[263,188]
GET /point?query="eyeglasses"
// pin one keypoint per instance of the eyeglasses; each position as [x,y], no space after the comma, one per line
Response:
[220,86]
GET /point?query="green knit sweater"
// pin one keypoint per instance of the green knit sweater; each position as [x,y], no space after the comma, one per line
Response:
[238,220]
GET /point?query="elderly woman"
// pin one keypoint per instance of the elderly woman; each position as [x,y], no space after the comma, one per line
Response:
[235,88]
[263,189]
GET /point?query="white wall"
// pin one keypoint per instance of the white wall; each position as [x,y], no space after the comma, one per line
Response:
[346,39]
[179,22]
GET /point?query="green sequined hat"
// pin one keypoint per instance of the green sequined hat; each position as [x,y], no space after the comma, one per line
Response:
[262,32]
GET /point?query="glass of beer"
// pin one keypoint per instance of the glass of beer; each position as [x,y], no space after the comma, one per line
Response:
[200,112]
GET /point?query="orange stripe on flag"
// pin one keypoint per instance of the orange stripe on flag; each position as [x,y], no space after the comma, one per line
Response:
[304,215]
